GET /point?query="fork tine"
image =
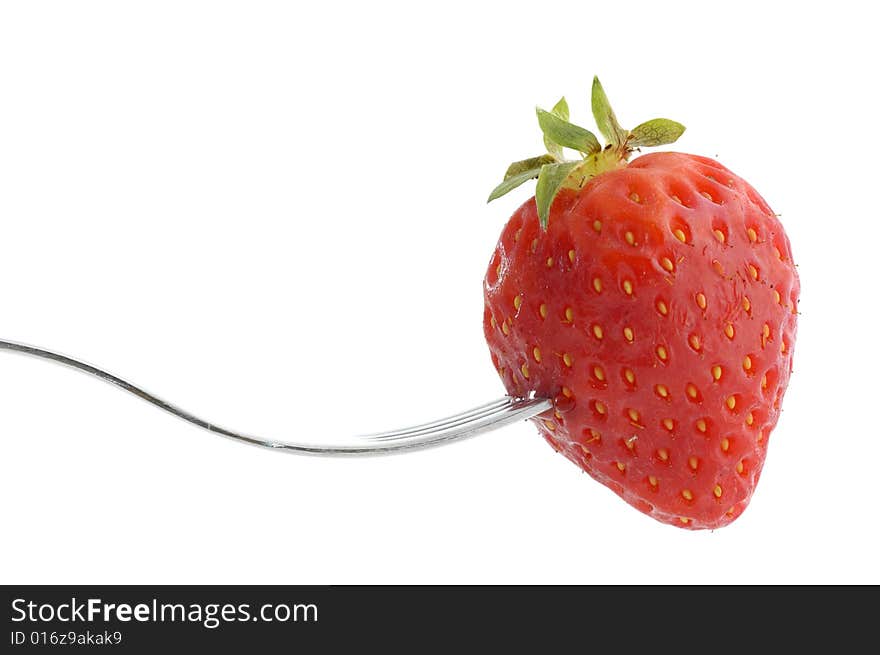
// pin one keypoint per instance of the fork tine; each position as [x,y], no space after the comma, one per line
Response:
[469,414]
[512,410]
[449,424]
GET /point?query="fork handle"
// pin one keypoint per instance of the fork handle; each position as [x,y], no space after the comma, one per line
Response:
[454,428]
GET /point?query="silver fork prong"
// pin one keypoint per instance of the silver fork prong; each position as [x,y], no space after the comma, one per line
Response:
[471,414]
[511,411]
[478,420]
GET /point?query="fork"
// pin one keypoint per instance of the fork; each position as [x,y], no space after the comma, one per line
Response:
[469,423]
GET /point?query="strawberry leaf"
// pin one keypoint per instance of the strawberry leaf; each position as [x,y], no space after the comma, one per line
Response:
[512,182]
[560,109]
[519,167]
[550,180]
[520,172]
[566,134]
[656,132]
[606,121]
[553,171]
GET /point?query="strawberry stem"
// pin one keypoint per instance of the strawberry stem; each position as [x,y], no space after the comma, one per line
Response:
[554,172]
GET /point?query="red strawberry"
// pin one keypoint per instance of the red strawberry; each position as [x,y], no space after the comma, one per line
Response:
[655,301]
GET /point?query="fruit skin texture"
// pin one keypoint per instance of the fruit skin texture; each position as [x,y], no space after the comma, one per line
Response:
[659,311]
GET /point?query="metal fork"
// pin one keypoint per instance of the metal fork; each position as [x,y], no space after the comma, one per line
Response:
[472,422]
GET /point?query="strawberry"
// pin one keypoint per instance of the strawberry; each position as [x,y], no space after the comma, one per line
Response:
[655,302]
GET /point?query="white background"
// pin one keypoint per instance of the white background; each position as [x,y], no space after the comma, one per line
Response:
[274,214]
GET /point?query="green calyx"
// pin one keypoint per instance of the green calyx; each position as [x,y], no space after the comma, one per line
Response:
[554,172]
